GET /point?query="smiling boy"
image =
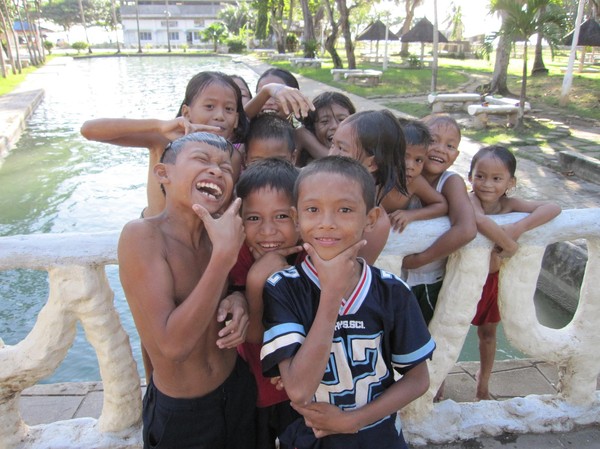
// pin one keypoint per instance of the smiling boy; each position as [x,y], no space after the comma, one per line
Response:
[336,328]
[173,268]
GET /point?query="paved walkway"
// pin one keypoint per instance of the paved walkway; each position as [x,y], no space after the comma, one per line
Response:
[49,403]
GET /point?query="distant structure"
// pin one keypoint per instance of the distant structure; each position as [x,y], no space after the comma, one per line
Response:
[162,23]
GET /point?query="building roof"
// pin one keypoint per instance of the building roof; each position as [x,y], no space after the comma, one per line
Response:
[422,32]
[589,34]
[376,32]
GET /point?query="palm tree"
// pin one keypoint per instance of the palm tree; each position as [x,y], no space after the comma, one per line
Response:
[522,19]
[551,32]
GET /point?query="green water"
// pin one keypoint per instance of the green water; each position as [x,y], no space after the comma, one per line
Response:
[55,181]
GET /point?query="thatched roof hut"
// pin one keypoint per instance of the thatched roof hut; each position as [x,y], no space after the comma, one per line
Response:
[589,34]
[422,32]
[376,32]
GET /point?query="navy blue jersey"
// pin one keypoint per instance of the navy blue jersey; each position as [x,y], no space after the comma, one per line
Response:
[379,327]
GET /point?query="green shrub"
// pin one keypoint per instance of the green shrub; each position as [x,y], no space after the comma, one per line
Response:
[291,43]
[310,48]
[48,46]
[79,46]
[236,44]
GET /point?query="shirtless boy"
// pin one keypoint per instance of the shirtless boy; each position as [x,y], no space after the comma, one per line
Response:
[174,269]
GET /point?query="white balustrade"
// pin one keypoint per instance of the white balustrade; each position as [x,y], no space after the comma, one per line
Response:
[79,291]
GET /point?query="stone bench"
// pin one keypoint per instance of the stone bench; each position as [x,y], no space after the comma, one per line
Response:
[305,62]
[480,113]
[364,77]
[339,73]
[505,101]
[439,101]
[265,52]
[280,57]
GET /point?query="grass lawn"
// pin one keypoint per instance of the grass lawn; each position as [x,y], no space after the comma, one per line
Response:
[10,83]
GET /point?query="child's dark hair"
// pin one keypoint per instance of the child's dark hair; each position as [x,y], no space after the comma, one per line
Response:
[271,126]
[416,133]
[499,152]
[285,75]
[170,154]
[238,77]
[441,119]
[324,100]
[277,174]
[345,166]
[380,135]
[203,79]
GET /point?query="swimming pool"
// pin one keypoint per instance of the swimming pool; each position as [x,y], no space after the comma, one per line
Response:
[54,180]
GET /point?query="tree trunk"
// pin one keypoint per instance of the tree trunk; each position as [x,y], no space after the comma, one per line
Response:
[114,16]
[7,33]
[410,6]
[309,29]
[500,76]
[538,62]
[85,26]
[346,33]
[331,40]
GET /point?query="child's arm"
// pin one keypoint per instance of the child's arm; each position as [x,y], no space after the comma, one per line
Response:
[540,212]
[305,140]
[260,271]
[290,99]
[434,205]
[493,231]
[302,373]
[326,419]
[144,133]
[462,230]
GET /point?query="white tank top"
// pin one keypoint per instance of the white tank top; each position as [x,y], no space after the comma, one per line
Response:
[434,271]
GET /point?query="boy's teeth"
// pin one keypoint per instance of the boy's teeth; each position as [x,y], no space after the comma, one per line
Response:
[209,189]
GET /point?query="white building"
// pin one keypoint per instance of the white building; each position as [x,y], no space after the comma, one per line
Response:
[181,20]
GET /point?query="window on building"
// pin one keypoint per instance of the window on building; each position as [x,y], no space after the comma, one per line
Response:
[174,35]
[145,36]
[172,23]
[197,36]
[198,22]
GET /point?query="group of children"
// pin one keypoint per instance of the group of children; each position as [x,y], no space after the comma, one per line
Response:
[250,275]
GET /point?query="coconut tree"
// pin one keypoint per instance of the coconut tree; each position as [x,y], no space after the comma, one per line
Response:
[551,32]
[521,20]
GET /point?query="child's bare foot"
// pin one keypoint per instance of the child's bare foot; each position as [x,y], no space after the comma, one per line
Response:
[483,392]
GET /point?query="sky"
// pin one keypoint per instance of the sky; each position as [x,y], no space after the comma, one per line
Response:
[475,15]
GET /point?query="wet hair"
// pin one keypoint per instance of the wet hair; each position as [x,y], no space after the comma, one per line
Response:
[325,100]
[344,166]
[170,154]
[441,119]
[274,173]
[499,152]
[201,81]
[271,126]
[380,135]
[238,77]
[285,75]
[416,133]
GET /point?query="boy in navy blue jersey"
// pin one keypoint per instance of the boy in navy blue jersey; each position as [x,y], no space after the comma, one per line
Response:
[335,327]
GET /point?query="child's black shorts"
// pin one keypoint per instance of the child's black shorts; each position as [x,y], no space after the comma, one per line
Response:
[222,419]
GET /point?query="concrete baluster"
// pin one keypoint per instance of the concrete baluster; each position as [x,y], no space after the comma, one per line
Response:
[573,348]
[122,406]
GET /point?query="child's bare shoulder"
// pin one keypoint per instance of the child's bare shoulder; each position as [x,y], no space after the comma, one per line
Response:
[143,233]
